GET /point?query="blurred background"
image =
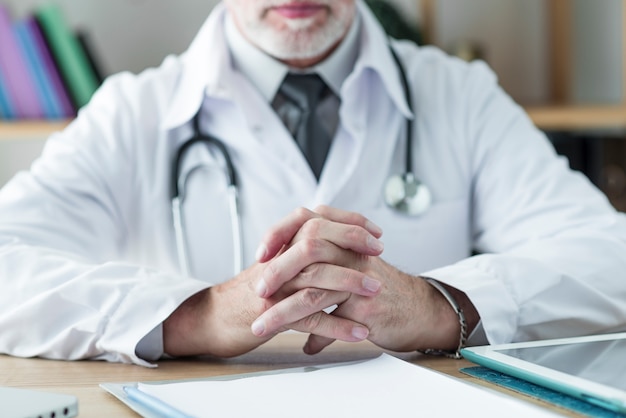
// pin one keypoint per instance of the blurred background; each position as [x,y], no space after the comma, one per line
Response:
[563,60]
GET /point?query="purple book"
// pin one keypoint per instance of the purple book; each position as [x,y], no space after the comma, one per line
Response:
[18,80]
[50,67]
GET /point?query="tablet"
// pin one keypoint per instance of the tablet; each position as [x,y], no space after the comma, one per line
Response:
[592,368]
[26,403]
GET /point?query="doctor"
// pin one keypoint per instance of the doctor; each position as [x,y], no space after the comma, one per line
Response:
[89,266]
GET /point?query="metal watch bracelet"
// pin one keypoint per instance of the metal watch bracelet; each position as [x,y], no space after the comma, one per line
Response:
[456,354]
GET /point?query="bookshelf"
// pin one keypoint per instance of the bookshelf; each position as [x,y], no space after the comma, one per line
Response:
[29,130]
[561,116]
[559,113]
[548,117]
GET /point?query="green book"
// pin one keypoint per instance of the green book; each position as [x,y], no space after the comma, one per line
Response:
[69,54]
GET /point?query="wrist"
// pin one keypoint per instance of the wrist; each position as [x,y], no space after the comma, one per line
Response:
[453,318]
[182,329]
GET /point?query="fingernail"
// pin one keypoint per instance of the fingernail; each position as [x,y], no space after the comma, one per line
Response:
[360,333]
[373,228]
[261,288]
[261,252]
[375,244]
[370,284]
[258,327]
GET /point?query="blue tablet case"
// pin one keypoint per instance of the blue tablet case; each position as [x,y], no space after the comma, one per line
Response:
[539,392]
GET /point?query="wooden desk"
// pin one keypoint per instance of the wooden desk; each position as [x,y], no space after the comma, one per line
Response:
[81,378]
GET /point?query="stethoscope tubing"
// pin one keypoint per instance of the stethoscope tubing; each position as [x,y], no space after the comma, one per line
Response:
[178,197]
[408,156]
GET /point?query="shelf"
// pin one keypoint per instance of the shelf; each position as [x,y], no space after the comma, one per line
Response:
[555,118]
[563,31]
[578,118]
[29,129]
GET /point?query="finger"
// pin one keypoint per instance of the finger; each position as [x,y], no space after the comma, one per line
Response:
[347,236]
[332,277]
[316,343]
[350,218]
[331,327]
[297,258]
[301,304]
[282,233]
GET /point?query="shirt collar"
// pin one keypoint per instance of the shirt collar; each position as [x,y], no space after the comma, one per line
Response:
[207,68]
[248,59]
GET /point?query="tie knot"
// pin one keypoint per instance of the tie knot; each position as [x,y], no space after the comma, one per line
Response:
[296,103]
[305,90]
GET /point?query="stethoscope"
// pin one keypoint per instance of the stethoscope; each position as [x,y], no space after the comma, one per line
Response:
[404,193]
[178,197]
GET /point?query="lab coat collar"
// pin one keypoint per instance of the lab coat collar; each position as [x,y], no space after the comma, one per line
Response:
[206,70]
[207,67]
[375,55]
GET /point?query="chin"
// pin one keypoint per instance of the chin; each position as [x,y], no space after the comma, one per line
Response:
[301,43]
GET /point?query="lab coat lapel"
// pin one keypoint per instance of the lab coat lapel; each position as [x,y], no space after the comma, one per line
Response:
[271,137]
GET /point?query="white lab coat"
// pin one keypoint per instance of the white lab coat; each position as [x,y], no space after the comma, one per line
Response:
[88,263]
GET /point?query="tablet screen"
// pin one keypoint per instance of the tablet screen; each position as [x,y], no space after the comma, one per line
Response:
[602,362]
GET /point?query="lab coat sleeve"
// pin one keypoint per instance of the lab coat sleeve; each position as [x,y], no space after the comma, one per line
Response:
[67,290]
[552,250]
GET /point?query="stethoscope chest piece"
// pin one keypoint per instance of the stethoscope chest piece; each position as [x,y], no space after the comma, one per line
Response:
[407,195]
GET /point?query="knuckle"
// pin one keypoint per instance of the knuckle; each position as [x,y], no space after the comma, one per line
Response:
[312,297]
[310,248]
[355,218]
[312,227]
[322,209]
[308,274]
[312,322]
[302,213]
[350,278]
[270,273]
[355,233]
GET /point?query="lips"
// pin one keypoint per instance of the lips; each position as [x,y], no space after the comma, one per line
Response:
[298,10]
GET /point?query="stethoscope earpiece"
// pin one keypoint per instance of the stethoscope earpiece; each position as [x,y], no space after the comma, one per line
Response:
[406,194]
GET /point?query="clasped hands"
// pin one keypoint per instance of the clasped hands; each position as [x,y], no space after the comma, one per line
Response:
[308,262]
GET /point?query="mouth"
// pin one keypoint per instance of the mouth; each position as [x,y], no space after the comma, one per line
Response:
[298,10]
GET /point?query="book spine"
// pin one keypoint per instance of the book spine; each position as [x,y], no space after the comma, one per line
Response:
[19,84]
[51,69]
[68,53]
[94,63]
[6,107]
[46,95]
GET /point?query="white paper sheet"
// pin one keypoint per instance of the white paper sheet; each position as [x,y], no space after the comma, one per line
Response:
[382,387]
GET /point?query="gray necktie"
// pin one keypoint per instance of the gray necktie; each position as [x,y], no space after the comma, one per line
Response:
[296,104]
